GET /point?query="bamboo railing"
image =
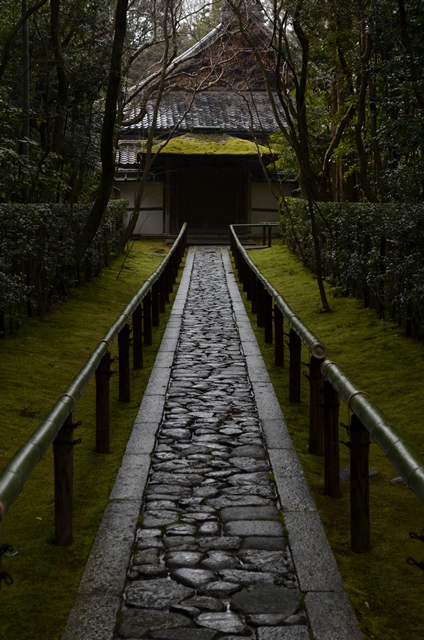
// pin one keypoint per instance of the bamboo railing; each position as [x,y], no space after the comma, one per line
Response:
[328,384]
[57,427]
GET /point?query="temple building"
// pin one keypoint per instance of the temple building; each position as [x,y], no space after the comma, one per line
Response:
[216,118]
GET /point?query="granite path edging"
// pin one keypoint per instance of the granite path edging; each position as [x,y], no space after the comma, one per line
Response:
[93,615]
[316,568]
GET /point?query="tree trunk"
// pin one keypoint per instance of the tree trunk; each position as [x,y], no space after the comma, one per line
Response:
[108,135]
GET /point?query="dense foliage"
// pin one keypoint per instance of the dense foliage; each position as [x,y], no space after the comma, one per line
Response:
[374,251]
[37,245]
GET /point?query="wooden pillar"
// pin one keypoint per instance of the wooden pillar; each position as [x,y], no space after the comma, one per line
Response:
[269,236]
[295,349]
[155,304]
[170,276]
[162,292]
[279,337]
[137,338]
[165,277]
[254,307]
[360,529]
[244,275]
[316,408]
[249,277]
[124,363]
[63,483]
[268,316]
[260,310]
[147,317]
[331,442]
[102,404]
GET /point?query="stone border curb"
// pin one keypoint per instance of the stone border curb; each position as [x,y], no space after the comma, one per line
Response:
[93,615]
[316,568]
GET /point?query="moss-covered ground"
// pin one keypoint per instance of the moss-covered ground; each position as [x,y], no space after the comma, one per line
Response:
[386,592]
[37,365]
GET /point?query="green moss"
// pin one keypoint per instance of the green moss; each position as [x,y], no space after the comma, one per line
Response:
[211,144]
[37,365]
[385,591]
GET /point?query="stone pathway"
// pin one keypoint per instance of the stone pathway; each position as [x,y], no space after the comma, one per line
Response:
[211,558]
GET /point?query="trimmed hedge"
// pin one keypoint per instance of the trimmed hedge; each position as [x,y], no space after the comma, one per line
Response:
[37,244]
[373,251]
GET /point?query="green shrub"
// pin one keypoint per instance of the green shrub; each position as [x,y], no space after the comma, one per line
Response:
[37,244]
[373,251]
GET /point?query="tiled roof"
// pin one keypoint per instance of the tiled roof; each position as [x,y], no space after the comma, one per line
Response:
[247,113]
[126,156]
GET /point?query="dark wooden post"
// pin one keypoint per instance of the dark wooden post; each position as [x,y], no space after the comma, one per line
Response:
[268,316]
[360,530]
[254,308]
[137,338]
[264,235]
[174,268]
[63,483]
[295,349]
[269,236]
[147,316]
[166,282]
[244,276]
[102,404]
[316,409]
[331,442]
[279,337]
[124,363]
[249,280]
[162,292]
[260,310]
[155,304]
[170,277]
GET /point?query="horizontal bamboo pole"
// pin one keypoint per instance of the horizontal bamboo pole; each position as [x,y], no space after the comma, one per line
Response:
[400,452]
[16,472]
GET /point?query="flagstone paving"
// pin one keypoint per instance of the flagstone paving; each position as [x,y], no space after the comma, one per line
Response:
[211,558]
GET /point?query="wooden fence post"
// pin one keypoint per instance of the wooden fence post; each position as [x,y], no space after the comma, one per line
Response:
[279,337]
[331,442]
[137,338]
[260,311]
[267,316]
[166,278]
[102,404]
[249,281]
[360,530]
[295,349]
[162,292]
[124,363]
[147,316]
[155,304]
[254,307]
[63,483]
[316,409]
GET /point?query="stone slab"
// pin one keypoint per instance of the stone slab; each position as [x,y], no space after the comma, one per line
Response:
[267,598]
[92,618]
[132,477]
[315,565]
[108,561]
[142,438]
[326,623]
[151,410]
[283,633]
[263,528]
[276,433]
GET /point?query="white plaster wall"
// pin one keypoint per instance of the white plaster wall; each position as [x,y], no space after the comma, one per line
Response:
[264,205]
[150,220]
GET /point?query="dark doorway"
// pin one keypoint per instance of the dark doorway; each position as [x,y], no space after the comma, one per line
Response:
[209,194]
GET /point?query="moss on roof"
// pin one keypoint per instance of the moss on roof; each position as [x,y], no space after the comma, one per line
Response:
[217,144]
